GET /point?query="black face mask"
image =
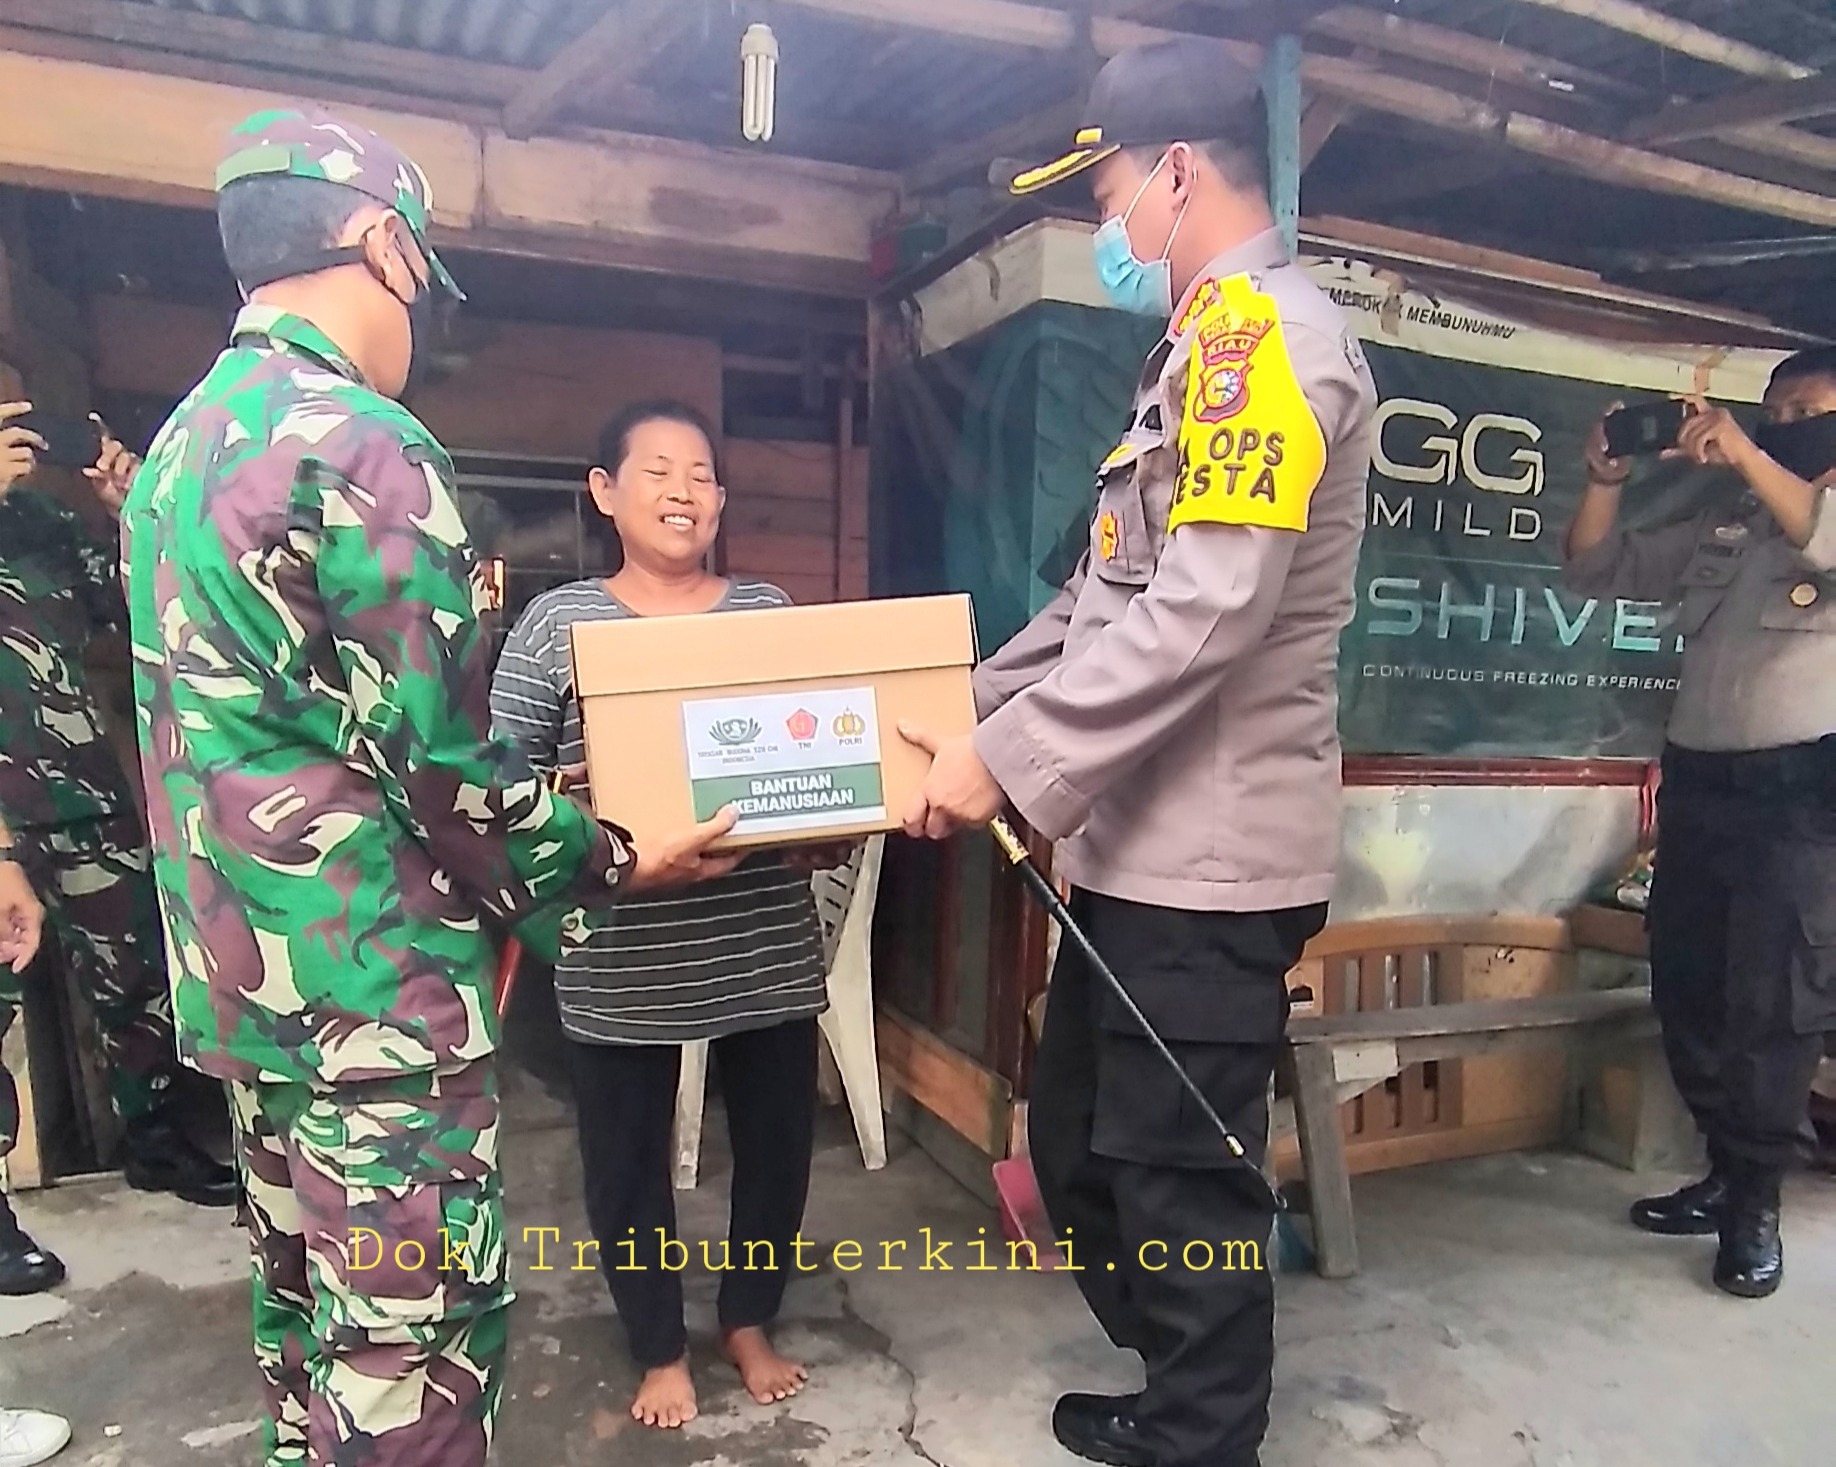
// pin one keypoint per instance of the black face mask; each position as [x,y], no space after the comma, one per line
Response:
[428,325]
[1806,448]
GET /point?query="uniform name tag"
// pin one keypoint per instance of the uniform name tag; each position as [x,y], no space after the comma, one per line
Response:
[1250,449]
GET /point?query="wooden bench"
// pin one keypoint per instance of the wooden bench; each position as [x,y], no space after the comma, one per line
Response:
[1334,1058]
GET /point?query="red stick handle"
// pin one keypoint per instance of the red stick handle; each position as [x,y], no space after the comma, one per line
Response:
[506,974]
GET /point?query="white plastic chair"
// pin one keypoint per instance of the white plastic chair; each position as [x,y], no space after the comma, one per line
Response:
[844,901]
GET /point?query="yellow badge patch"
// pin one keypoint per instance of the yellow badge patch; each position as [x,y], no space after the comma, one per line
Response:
[1250,450]
[1109,536]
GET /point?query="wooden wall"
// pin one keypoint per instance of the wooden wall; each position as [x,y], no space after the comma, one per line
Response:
[790,521]
[796,512]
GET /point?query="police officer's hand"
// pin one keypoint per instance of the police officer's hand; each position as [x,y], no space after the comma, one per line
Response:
[113,473]
[1711,435]
[17,445]
[683,858]
[958,793]
[1602,468]
[22,919]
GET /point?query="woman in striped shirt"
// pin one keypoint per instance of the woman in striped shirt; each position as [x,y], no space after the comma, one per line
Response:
[737,961]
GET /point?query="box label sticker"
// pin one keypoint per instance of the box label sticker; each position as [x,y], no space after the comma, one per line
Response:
[787,761]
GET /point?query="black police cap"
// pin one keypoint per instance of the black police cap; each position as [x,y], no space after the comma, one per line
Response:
[1170,92]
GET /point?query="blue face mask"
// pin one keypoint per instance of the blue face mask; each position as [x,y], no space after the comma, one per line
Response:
[1144,288]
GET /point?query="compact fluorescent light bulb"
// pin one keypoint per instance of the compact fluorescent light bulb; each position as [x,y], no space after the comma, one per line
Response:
[758,83]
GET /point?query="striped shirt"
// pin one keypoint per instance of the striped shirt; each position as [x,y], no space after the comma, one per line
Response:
[740,952]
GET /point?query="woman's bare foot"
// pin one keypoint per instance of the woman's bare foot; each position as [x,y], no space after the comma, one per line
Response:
[767,1375]
[666,1396]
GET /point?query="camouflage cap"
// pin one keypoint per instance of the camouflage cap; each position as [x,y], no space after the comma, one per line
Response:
[314,144]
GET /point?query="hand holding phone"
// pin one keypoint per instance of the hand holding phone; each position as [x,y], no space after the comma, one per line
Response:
[19,445]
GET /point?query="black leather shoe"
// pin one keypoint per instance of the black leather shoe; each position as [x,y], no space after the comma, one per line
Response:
[25,1268]
[1692,1211]
[1101,1429]
[159,1157]
[1750,1263]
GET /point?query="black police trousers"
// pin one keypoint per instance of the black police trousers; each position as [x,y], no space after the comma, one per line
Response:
[1167,1233]
[1742,923]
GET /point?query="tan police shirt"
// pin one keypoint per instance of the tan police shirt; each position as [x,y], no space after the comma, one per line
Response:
[1757,616]
[1172,716]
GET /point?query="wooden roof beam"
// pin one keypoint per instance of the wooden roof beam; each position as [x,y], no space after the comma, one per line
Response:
[1770,102]
[615,49]
[1680,35]
[1321,119]
[1040,28]
[680,208]
[1460,51]
[1049,127]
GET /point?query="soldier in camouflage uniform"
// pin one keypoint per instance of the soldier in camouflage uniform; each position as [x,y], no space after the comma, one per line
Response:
[77,832]
[335,824]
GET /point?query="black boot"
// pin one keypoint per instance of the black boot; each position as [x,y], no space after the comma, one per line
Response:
[1692,1211]
[1101,1429]
[1750,1263]
[157,1156]
[25,1268]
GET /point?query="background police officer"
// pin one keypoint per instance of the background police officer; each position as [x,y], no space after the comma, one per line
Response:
[1171,718]
[1743,902]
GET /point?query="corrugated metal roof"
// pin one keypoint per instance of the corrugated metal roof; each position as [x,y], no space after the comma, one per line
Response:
[515,32]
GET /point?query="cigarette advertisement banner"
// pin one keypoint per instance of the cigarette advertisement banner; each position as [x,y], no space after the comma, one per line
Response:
[1465,642]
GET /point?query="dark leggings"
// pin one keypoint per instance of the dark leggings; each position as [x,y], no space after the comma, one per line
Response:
[626,1095]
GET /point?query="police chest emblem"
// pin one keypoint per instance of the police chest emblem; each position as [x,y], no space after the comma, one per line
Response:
[1730,533]
[1225,349]
[1108,535]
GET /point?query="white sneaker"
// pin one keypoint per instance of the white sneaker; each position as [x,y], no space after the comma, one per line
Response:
[30,1437]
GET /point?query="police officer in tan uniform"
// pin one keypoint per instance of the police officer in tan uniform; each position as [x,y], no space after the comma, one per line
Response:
[1743,900]
[1171,718]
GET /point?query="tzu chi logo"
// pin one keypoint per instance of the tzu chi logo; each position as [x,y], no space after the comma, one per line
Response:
[801,726]
[849,726]
[1225,349]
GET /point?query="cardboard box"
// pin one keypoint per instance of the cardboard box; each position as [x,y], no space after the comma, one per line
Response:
[791,714]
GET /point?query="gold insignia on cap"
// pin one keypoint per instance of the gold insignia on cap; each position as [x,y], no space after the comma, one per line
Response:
[1803,594]
[1088,137]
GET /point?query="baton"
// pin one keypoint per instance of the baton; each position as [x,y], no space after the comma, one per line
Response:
[1048,897]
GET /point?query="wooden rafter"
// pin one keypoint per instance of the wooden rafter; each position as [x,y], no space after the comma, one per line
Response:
[1458,51]
[1318,123]
[1680,35]
[613,52]
[1769,102]
[1040,28]
[1616,163]
[1045,128]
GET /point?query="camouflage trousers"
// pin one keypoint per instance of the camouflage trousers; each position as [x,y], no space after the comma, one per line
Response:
[93,877]
[381,1274]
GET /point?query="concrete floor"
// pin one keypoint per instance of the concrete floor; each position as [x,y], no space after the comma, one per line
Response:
[1506,1317]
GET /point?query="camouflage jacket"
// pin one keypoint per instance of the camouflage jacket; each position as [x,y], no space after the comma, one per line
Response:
[332,816]
[57,585]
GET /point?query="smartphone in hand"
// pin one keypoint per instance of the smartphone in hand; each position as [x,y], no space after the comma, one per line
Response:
[70,443]
[1647,429]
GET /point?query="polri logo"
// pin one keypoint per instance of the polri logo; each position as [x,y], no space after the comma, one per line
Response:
[849,725]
